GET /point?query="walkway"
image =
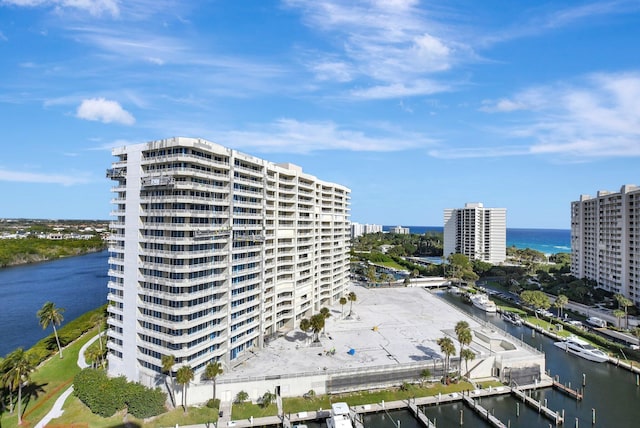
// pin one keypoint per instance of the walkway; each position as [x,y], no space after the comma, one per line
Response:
[57,411]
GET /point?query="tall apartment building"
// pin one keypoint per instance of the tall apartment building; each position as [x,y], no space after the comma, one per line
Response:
[477,232]
[605,240]
[358,229]
[399,230]
[213,252]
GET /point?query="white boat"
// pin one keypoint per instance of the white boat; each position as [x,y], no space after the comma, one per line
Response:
[582,349]
[340,416]
[514,319]
[482,301]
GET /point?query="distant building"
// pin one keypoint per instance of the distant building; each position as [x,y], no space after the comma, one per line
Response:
[214,252]
[399,230]
[477,232]
[605,240]
[358,229]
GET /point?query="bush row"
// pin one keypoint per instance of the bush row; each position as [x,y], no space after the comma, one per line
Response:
[105,396]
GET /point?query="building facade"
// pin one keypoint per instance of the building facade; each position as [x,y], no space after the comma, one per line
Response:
[605,244]
[477,232]
[399,230]
[358,229]
[213,252]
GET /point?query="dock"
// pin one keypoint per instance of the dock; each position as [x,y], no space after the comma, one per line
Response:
[482,412]
[567,390]
[417,413]
[535,404]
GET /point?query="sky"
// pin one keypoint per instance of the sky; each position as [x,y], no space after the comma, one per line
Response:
[416,106]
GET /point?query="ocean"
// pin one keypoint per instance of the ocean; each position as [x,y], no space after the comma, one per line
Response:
[547,241]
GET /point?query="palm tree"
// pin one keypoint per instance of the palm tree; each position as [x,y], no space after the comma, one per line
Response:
[99,319]
[95,355]
[343,301]
[623,302]
[50,314]
[326,313]
[448,348]
[560,303]
[267,399]
[464,335]
[211,371]
[167,367]
[618,313]
[317,324]
[352,298]
[18,366]
[241,397]
[305,324]
[184,375]
[467,354]
[424,375]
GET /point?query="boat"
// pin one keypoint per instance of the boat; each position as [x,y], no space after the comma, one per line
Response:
[582,349]
[340,416]
[482,301]
[512,318]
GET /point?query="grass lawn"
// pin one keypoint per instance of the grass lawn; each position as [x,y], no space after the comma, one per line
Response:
[48,382]
[246,410]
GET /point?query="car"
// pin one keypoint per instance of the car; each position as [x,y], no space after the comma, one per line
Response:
[220,413]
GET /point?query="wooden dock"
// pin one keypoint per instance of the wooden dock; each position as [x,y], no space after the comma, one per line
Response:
[482,412]
[535,404]
[421,416]
[570,392]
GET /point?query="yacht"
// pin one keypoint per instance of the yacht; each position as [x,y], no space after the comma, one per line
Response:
[340,416]
[482,301]
[582,349]
[513,318]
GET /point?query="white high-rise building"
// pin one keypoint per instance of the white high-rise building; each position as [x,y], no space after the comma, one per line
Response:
[477,232]
[358,229]
[605,240]
[213,252]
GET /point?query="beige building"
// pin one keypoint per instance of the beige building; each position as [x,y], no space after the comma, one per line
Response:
[605,240]
[214,252]
[477,232]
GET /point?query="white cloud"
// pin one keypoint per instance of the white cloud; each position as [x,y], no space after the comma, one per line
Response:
[105,111]
[390,44]
[94,7]
[398,90]
[293,136]
[31,177]
[599,116]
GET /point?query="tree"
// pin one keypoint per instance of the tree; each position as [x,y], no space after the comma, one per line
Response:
[95,355]
[448,349]
[467,354]
[424,375]
[560,303]
[535,298]
[463,332]
[211,372]
[50,314]
[459,264]
[167,367]
[317,324]
[624,303]
[343,301]
[184,375]
[305,324]
[241,397]
[99,319]
[352,298]
[267,398]
[18,367]
[619,314]
[326,313]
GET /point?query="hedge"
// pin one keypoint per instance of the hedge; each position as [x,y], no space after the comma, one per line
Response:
[105,396]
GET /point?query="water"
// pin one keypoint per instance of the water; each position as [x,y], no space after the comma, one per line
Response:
[610,390]
[547,241]
[77,284]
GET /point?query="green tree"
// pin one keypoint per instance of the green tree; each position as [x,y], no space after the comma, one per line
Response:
[17,372]
[467,354]
[317,324]
[535,298]
[267,398]
[305,324]
[424,376]
[50,314]
[326,314]
[448,349]
[211,372]
[560,302]
[184,375]
[241,397]
[167,362]
[624,303]
[619,314]
[352,298]
[343,301]
[463,333]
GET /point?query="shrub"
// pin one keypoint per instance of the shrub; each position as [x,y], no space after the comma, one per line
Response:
[106,396]
[213,403]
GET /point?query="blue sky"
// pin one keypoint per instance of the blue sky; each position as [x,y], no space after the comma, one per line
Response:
[417,106]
